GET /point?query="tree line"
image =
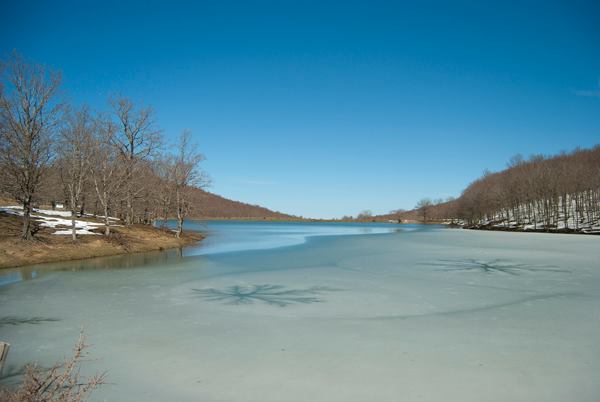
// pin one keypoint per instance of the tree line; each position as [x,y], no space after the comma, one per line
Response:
[561,191]
[538,193]
[113,163]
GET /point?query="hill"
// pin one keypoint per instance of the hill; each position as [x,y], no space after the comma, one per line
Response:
[557,193]
[209,205]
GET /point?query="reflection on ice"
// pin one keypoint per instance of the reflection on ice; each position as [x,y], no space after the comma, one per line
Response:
[491,266]
[12,320]
[478,309]
[276,295]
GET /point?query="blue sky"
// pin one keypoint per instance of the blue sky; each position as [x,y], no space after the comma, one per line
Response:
[327,108]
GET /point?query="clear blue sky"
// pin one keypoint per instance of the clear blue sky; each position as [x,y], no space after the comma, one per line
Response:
[327,108]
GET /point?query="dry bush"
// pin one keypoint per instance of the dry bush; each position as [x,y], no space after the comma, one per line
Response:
[119,240]
[62,382]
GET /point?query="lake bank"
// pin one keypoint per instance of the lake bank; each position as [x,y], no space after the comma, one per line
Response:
[499,228]
[50,247]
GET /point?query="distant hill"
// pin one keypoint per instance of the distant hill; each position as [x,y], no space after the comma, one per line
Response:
[203,203]
[209,205]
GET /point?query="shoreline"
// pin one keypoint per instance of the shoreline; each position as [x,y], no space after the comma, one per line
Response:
[85,254]
[47,247]
[519,230]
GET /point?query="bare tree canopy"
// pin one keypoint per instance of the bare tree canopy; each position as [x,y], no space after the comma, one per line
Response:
[365,215]
[29,116]
[186,174]
[136,139]
[424,205]
[74,154]
[106,170]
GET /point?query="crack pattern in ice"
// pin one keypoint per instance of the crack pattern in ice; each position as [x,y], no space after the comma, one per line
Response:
[479,309]
[13,320]
[490,266]
[12,373]
[275,295]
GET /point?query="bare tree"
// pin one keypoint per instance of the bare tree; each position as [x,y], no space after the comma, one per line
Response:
[365,215]
[163,169]
[424,206]
[74,155]
[397,214]
[136,139]
[106,168]
[29,115]
[186,176]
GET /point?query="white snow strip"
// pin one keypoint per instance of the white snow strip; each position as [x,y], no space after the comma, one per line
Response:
[101,217]
[78,231]
[11,212]
[53,213]
[81,227]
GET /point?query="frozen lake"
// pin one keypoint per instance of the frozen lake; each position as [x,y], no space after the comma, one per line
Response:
[273,312]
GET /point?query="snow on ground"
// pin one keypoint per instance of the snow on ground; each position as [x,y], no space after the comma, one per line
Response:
[79,232]
[66,214]
[111,218]
[576,220]
[81,227]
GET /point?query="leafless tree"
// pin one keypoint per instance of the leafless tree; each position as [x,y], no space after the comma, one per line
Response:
[107,171]
[365,215]
[396,214]
[74,153]
[424,205]
[29,115]
[136,139]
[163,190]
[186,176]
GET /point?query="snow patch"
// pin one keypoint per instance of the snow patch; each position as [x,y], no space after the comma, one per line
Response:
[81,227]
[78,231]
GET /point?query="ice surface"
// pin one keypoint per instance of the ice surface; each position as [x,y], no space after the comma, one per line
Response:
[228,236]
[422,315]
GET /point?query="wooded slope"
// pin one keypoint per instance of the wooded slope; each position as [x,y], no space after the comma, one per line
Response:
[209,205]
[560,192]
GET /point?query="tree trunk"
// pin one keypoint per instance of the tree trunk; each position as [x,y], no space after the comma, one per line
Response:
[82,209]
[163,224]
[106,221]
[179,225]
[73,229]
[128,209]
[26,233]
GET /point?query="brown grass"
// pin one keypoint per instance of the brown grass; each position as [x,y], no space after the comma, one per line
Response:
[51,248]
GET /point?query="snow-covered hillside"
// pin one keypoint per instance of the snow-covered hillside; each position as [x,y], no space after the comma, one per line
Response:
[570,217]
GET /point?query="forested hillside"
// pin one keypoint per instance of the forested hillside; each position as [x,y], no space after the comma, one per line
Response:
[560,192]
[153,201]
[209,205]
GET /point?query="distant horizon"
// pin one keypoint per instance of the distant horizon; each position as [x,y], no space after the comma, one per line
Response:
[321,110]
